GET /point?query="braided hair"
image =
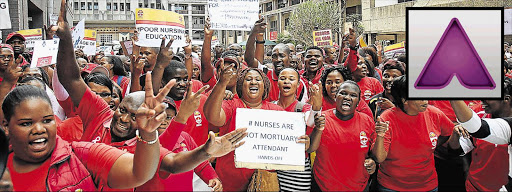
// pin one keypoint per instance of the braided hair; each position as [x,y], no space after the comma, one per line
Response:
[241,78]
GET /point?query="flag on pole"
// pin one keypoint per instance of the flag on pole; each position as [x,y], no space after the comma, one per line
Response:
[5,19]
[361,41]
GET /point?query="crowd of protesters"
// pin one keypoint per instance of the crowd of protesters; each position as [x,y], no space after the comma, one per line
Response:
[156,120]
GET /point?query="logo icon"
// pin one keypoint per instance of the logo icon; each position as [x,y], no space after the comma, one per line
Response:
[364,139]
[454,55]
[140,13]
[433,139]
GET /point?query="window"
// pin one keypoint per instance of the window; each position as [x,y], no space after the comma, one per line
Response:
[89,6]
[82,6]
[286,22]
[105,38]
[75,5]
[281,3]
[197,9]
[159,6]
[273,25]
[121,6]
[169,7]
[268,7]
[140,5]
[295,2]
[115,6]
[95,6]
[153,5]
[109,6]
[127,6]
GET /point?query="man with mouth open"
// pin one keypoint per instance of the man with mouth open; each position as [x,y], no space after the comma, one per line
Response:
[280,60]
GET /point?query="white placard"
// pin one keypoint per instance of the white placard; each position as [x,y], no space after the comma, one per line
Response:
[154,24]
[45,53]
[129,47]
[88,46]
[233,14]
[5,19]
[78,33]
[271,139]
[508,21]
[53,19]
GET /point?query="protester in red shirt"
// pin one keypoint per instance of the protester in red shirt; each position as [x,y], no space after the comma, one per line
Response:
[407,136]
[17,42]
[382,101]
[116,72]
[332,78]
[313,61]
[252,88]
[347,133]
[369,85]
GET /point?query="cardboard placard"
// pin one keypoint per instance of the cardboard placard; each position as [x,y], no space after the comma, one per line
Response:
[154,24]
[45,53]
[233,14]
[322,38]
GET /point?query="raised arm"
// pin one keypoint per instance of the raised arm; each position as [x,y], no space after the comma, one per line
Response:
[259,27]
[260,47]
[351,62]
[214,147]
[136,65]
[67,69]
[316,135]
[163,59]
[188,58]
[134,170]
[206,54]
[213,106]
[342,49]
[378,149]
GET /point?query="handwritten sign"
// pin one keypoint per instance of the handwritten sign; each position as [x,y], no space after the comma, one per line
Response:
[78,32]
[45,53]
[322,38]
[31,36]
[508,21]
[233,14]
[154,24]
[271,140]
[88,43]
[5,21]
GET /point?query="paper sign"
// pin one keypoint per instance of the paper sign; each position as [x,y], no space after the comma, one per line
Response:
[31,36]
[129,47]
[233,14]
[45,53]
[273,36]
[508,21]
[153,24]
[53,19]
[322,38]
[5,19]
[78,32]
[88,43]
[392,51]
[271,140]
[215,41]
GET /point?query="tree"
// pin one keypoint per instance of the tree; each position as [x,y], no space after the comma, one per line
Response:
[314,14]
[284,38]
[355,19]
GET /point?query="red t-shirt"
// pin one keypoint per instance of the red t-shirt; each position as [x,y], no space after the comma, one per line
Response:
[196,85]
[339,164]
[273,95]
[315,80]
[410,143]
[447,109]
[96,118]
[31,181]
[235,179]
[489,167]
[197,125]
[369,87]
[71,129]
[125,83]
[361,106]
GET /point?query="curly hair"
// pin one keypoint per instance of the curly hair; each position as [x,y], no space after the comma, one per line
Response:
[241,78]
[345,73]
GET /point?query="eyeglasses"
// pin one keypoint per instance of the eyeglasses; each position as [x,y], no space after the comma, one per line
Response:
[104,95]
[3,57]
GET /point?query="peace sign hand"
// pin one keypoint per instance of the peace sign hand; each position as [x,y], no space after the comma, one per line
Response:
[190,103]
[227,72]
[165,54]
[12,72]
[151,113]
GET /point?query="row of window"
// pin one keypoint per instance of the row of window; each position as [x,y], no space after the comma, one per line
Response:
[110,6]
[178,7]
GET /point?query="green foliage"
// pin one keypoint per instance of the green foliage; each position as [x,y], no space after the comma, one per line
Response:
[284,38]
[314,14]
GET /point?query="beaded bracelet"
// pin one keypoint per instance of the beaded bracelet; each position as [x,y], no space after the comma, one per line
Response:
[144,141]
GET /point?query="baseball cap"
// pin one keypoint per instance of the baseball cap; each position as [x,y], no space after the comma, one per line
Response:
[14,34]
[95,68]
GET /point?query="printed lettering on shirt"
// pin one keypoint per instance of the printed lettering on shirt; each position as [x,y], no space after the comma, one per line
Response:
[364,139]
[367,95]
[197,117]
[433,139]
[95,140]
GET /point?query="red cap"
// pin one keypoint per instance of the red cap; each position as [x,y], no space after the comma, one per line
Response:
[92,68]
[14,34]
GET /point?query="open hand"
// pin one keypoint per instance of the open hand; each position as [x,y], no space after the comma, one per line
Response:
[220,146]
[12,72]
[316,96]
[151,113]
[385,103]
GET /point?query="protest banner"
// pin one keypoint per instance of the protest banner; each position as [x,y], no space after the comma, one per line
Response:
[508,21]
[78,32]
[53,19]
[31,36]
[127,46]
[154,24]
[322,38]
[272,36]
[88,43]
[271,141]
[393,51]
[237,15]
[45,53]
[5,21]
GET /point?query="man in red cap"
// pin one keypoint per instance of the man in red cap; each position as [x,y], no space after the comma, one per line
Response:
[17,42]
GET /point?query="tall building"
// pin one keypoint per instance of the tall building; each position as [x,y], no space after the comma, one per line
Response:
[114,20]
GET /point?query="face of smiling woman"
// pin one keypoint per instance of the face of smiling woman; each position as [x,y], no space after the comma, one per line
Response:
[253,87]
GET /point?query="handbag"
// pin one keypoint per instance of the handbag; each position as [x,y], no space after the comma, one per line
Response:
[263,180]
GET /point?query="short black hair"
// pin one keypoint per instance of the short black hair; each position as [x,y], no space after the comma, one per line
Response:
[399,91]
[345,73]
[118,67]
[316,48]
[20,94]
[393,64]
[170,70]
[352,83]
[28,79]
[44,75]
[100,79]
